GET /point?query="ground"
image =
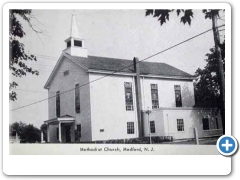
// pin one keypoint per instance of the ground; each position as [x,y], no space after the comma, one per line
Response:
[205,141]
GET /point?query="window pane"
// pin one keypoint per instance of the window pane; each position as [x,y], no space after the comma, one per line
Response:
[58,104]
[130,127]
[69,43]
[128,96]
[78,43]
[178,97]
[152,126]
[154,94]
[77,98]
[180,125]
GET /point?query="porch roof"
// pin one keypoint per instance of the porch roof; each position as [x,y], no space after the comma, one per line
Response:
[64,119]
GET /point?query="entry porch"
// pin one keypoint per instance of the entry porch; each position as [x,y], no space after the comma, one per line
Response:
[61,129]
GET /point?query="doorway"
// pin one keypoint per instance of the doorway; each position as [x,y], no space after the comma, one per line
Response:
[68,133]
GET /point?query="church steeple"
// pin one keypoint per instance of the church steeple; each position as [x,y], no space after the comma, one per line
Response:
[75,45]
[74,29]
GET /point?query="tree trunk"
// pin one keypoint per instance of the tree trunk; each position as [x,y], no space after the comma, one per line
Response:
[221,75]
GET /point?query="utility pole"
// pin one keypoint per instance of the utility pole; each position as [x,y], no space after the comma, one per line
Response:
[221,75]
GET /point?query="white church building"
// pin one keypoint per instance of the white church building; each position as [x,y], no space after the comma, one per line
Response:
[98,98]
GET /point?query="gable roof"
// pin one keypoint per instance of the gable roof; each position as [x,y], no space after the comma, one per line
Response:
[121,65]
[113,64]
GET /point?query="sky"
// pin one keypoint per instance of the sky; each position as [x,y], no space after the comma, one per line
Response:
[108,33]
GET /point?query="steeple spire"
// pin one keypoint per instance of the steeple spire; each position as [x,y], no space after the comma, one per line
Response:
[74,29]
[75,45]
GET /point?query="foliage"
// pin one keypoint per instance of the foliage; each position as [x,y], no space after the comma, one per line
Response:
[207,89]
[17,54]
[28,133]
[163,14]
[186,15]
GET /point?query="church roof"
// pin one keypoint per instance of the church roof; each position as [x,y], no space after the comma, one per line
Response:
[122,65]
[114,64]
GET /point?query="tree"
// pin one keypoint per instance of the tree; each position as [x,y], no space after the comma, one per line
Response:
[186,17]
[17,54]
[207,89]
[27,133]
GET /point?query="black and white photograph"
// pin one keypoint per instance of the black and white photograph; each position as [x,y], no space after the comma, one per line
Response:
[118,89]
[117,76]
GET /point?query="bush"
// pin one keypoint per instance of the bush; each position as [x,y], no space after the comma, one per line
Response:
[144,140]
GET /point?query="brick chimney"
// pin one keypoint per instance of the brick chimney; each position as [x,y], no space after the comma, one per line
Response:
[138,96]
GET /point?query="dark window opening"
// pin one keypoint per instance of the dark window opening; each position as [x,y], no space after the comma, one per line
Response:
[77,98]
[130,127]
[128,96]
[178,97]
[65,73]
[69,43]
[152,126]
[205,124]
[101,130]
[58,103]
[78,43]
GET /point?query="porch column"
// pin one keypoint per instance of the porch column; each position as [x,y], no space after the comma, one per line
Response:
[42,137]
[59,132]
[48,135]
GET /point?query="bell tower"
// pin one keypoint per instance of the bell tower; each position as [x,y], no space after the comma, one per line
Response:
[75,44]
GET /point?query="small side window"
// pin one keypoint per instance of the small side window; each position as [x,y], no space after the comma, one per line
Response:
[66,73]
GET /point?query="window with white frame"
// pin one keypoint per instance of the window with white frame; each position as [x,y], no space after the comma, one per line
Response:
[130,127]
[128,96]
[178,97]
[152,127]
[154,94]
[180,125]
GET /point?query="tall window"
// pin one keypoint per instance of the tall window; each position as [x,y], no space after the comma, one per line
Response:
[205,124]
[154,93]
[180,125]
[130,127]
[58,103]
[128,96]
[78,43]
[152,126]
[77,98]
[178,97]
